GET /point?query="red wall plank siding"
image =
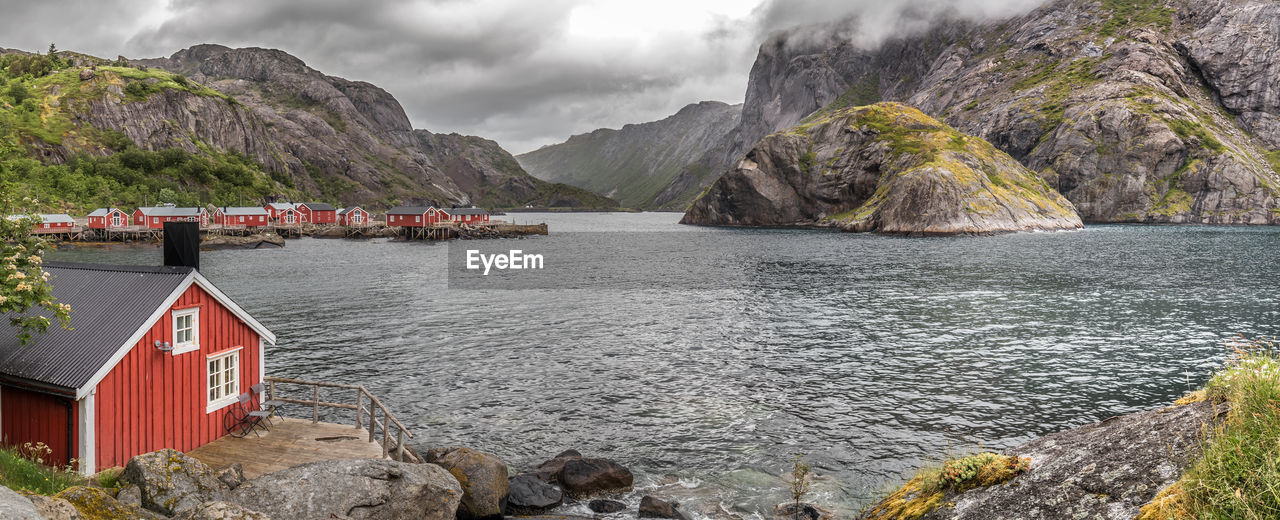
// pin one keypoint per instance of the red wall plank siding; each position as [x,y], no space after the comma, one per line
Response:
[154,400]
[27,416]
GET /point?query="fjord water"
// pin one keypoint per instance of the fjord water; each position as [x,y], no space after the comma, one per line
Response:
[869,355]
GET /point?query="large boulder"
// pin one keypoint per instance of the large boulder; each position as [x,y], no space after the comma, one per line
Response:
[529,495]
[605,506]
[171,481]
[51,508]
[651,507]
[15,506]
[95,504]
[582,478]
[549,471]
[483,478]
[366,488]
[221,511]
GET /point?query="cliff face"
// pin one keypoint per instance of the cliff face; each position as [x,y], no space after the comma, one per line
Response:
[635,163]
[1135,111]
[886,168]
[345,141]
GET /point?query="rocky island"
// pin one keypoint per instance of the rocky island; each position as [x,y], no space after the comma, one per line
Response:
[885,168]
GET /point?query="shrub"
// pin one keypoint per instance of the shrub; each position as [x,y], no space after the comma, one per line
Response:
[18,92]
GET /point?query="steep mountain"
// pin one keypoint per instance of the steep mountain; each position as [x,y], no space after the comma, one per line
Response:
[885,168]
[1135,110]
[312,135]
[635,163]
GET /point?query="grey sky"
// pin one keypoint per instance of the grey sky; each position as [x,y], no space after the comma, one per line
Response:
[524,73]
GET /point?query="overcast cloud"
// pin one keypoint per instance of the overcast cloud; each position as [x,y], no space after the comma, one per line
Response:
[523,73]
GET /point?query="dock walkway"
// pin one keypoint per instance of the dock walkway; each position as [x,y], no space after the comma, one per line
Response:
[288,443]
[374,432]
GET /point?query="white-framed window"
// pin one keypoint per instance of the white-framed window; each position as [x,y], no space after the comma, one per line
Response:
[222,371]
[186,330]
[357,217]
[155,220]
[288,217]
[115,220]
[417,218]
[242,218]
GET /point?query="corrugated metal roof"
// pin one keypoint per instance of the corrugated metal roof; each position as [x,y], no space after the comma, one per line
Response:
[408,210]
[102,212]
[465,211]
[281,206]
[56,217]
[243,210]
[167,211]
[109,304]
[319,206]
[344,211]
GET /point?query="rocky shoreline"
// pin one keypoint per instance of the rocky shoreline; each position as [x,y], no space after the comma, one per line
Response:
[1105,470]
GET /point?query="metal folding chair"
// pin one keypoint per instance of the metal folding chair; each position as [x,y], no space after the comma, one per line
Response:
[266,409]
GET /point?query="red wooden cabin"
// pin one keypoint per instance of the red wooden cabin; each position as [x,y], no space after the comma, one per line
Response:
[318,213]
[154,217]
[466,215]
[274,209]
[54,222]
[353,216]
[108,218]
[412,216]
[233,216]
[155,359]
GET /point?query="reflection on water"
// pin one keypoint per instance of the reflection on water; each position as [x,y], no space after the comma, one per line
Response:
[868,354]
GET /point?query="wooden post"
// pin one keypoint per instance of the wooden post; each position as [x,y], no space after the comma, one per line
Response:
[271,390]
[315,405]
[400,446]
[373,418]
[386,434]
[359,406]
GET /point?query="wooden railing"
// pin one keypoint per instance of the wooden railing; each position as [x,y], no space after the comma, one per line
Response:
[398,452]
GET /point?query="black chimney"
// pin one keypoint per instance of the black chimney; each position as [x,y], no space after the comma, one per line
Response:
[182,244]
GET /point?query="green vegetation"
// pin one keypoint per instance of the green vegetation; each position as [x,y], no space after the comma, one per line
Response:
[928,489]
[1273,158]
[1059,81]
[22,468]
[1237,471]
[863,92]
[37,111]
[1135,13]
[1188,129]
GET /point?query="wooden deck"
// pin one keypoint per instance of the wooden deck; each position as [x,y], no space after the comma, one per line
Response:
[290,442]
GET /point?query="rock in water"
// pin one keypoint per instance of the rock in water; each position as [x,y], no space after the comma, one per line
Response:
[171,481]
[529,495]
[605,507]
[885,168]
[582,478]
[651,507]
[483,478]
[17,507]
[367,488]
[549,471]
